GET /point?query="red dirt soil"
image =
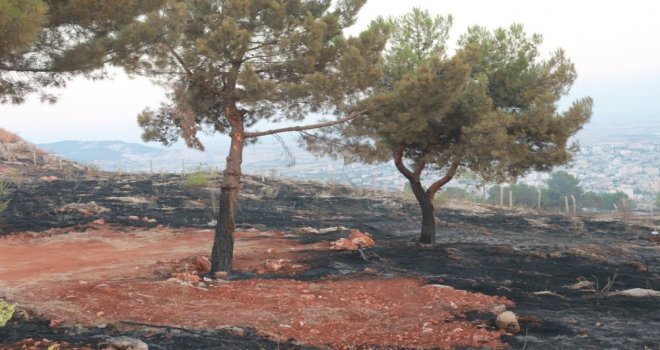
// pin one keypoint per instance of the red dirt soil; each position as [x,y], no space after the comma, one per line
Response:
[107,275]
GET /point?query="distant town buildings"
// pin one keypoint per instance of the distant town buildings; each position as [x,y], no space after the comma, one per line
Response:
[632,168]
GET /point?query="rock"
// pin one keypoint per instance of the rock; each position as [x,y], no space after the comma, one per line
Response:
[84,212]
[147,220]
[357,240]
[307,230]
[187,277]
[99,222]
[363,240]
[637,293]
[332,229]
[133,218]
[479,339]
[583,284]
[555,255]
[49,178]
[275,265]
[344,244]
[125,343]
[498,309]
[440,286]
[85,209]
[278,265]
[220,275]
[22,315]
[235,331]
[641,266]
[508,321]
[202,264]
[427,327]
[55,323]
[315,286]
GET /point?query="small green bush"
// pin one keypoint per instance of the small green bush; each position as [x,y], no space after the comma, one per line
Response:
[4,205]
[198,179]
[4,192]
[201,176]
[6,312]
[4,188]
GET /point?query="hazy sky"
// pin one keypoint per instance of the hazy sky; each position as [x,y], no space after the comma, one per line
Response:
[615,46]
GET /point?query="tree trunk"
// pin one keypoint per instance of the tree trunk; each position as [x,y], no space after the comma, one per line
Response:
[223,244]
[425,201]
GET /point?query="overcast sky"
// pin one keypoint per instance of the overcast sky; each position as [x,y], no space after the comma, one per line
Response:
[615,46]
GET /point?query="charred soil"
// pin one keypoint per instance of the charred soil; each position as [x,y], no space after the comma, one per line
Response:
[122,255]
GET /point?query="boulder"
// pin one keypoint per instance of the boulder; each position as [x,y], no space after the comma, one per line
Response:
[49,178]
[637,293]
[357,240]
[124,343]
[508,321]
[202,264]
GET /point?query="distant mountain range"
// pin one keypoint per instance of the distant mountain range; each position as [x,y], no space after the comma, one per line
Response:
[268,155]
[96,151]
[125,156]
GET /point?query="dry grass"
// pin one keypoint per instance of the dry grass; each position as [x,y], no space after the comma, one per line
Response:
[8,137]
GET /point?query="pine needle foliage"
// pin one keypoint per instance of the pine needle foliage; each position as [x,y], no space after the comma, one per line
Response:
[44,43]
[490,108]
[229,64]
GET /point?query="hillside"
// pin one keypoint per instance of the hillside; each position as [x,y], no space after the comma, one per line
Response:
[110,247]
[22,161]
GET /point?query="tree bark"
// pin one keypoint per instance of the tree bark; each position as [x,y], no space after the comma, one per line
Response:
[223,244]
[425,201]
[424,198]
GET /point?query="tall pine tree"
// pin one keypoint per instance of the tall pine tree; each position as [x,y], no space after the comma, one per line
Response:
[229,64]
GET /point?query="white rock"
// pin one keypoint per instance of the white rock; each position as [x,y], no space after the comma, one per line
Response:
[498,309]
[638,293]
[508,321]
[581,285]
[125,343]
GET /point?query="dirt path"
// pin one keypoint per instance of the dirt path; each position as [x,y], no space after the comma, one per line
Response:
[103,253]
[104,276]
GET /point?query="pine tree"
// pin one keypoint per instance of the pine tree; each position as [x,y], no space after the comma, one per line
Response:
[44,43]
[491,109]
[229,64]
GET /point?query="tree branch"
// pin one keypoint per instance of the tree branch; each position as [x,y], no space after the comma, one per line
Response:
[419,167]
[306,127]
[450,175]
[398,161]
[179,59]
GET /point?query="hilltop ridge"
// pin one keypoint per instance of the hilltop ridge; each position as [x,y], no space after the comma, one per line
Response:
[21,160]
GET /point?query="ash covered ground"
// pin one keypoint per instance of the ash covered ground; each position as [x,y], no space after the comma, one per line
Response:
[533,260]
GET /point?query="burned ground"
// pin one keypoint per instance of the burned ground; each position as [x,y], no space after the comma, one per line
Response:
[527,258]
